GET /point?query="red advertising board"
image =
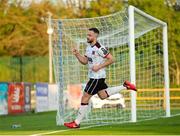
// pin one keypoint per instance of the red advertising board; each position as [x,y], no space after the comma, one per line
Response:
[16,98]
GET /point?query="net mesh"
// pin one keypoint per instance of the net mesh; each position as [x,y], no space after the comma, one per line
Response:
[71,76]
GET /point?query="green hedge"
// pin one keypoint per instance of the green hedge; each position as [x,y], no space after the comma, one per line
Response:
[26,69]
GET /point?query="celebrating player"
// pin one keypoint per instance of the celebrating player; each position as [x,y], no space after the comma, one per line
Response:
[98,58]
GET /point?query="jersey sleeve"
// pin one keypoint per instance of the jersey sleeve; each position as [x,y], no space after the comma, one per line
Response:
[103,51]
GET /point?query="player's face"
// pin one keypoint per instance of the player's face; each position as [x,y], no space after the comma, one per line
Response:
[91,36]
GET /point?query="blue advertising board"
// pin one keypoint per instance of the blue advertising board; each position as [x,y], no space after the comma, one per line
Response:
[41,89]
[41,97]
[3,98]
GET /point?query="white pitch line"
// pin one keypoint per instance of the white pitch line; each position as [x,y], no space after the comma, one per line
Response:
[59,131]
[46,133]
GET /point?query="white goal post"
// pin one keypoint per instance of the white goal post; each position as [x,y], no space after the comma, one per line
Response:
[138,41]
[131,11]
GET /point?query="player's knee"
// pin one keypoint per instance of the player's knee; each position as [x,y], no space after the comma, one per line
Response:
[85,98]
[103,97]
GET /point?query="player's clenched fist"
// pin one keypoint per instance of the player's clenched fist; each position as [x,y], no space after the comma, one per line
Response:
[75,51]
[96,68]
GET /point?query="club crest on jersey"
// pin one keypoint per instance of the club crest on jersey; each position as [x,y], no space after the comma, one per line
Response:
[93,52]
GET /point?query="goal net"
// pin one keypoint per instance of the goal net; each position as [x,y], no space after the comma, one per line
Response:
[116,33]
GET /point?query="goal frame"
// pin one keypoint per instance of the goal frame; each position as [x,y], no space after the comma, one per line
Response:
[132,63]
[131,11]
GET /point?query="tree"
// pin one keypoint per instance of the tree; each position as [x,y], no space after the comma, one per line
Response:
[172,17]
[23,29]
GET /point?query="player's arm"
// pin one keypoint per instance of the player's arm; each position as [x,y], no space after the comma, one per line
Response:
[109,60]
[82,59]
[103,52]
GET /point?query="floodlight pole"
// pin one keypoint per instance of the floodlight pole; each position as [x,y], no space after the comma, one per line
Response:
[50,31]
[126,3]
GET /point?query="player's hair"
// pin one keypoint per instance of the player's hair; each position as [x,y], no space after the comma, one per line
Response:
[95,30]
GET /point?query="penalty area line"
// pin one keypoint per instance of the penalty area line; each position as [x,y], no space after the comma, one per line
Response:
[65,130]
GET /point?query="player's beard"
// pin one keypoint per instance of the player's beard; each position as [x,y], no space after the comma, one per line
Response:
[89,41]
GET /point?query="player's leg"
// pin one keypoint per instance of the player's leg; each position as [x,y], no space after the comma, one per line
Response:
[104,93]
[84,104]
[83,107]
[89,91]
[81,113]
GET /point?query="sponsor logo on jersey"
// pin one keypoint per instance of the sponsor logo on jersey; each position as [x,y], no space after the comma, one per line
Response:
[104,51]
[90,60]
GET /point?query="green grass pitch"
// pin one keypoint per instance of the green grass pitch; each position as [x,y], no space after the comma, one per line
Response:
[44,123]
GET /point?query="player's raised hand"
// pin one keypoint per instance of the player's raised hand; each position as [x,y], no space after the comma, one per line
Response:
[75,51]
